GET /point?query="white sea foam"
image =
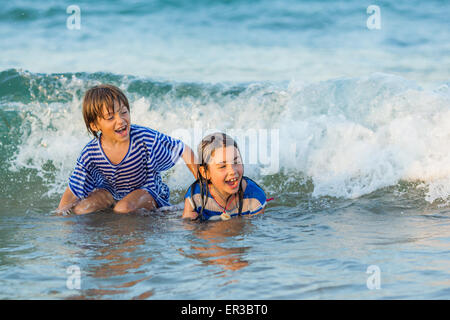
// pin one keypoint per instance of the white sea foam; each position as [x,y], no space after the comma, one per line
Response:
[350,136]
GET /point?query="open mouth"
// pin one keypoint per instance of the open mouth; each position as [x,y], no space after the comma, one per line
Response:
[232,183]
[122,130]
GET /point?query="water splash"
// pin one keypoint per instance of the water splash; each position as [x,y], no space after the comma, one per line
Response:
[346,137]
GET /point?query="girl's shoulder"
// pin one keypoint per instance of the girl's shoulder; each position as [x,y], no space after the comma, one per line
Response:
[254,199]
[253,190]
[193,189]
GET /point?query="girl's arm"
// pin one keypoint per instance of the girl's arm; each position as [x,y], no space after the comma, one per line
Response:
[68,200]
[259,212]
[188,211]
[191,160]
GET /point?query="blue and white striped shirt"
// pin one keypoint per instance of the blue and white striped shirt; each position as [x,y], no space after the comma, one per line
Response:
[149,153]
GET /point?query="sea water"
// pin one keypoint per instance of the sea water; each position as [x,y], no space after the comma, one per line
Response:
[345,124]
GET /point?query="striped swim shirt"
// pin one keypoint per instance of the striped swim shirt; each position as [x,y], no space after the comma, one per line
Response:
[254,201]
[150,152]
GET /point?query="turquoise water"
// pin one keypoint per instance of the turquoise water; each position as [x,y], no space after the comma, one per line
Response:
[357,158]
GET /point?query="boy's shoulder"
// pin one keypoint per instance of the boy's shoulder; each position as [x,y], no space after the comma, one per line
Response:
[141,131]
[89,151]
[135,128]
[91,146]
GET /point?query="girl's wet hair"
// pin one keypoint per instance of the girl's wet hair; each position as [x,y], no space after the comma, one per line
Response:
[98,97]
[205,151]
[211,143]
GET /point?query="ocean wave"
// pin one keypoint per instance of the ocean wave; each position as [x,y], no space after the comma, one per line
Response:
[345,137]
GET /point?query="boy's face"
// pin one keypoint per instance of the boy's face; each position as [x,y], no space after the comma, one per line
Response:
[115,126]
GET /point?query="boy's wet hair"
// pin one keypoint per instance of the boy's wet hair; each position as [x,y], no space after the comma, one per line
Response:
[98,97]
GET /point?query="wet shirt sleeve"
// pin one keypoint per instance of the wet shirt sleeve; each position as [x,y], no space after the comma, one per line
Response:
[81,183]
[166,152]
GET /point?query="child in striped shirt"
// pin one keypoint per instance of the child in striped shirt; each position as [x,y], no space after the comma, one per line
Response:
[121,166]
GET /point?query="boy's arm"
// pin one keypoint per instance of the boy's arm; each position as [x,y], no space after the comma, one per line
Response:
[191,160]
[68,200]
[188,211]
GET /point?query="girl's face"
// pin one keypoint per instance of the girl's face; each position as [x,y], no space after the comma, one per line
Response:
[115,126]
[225,170]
